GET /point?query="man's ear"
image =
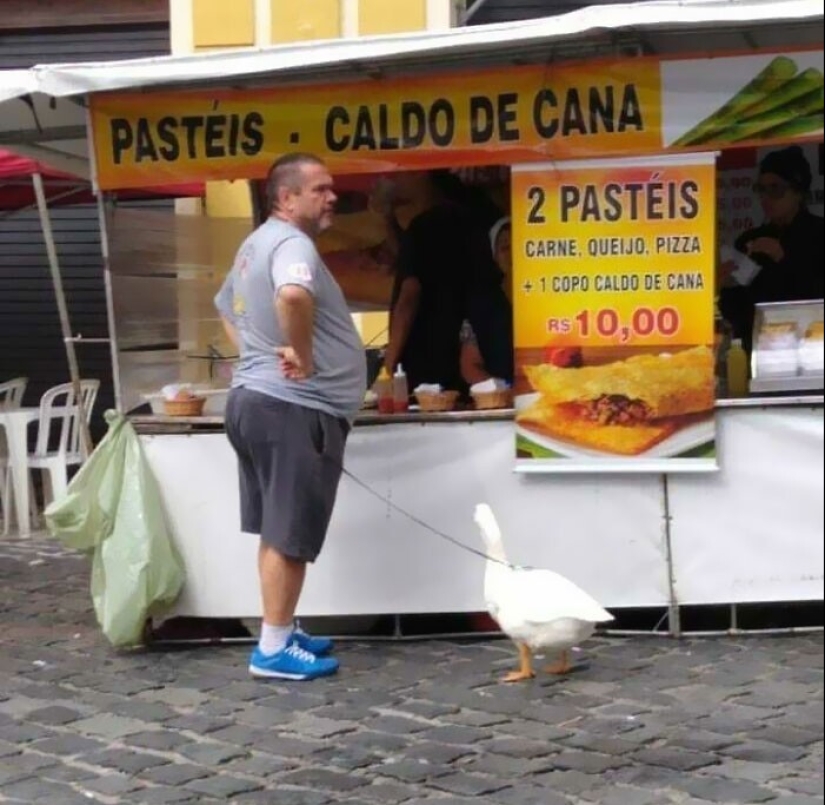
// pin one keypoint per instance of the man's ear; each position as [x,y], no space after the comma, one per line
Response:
[284,197]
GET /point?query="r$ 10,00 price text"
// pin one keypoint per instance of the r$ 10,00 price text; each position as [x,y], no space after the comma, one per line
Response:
[607,324]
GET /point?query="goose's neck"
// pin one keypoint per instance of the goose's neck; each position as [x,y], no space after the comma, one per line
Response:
[495,551]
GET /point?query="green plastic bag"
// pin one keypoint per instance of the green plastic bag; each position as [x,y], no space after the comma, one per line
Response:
[113,510]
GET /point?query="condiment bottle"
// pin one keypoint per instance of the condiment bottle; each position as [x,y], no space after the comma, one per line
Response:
[383,388]
[737,366]
[400,391]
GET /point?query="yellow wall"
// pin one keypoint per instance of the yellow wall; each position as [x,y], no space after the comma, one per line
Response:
[222,24]
[297,20]
[228,199]
[391,16]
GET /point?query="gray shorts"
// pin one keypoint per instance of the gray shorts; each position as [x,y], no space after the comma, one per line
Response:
[290,459]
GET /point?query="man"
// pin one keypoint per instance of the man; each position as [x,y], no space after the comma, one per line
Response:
[443,261]
[300,380]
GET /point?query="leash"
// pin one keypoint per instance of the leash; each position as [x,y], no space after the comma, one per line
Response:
[426,526]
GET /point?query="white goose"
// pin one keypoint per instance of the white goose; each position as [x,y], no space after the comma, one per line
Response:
[537,609]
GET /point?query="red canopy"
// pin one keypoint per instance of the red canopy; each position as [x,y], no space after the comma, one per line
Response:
[16,189]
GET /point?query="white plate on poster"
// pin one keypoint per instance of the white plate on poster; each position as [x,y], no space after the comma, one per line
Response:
[685,439]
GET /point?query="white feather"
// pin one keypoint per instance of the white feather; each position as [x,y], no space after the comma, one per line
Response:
[538,607]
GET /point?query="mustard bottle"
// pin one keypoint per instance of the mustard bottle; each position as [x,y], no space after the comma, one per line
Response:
[737,370]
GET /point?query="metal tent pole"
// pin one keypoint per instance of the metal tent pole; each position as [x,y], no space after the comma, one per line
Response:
[105,254]
[110,307]
[674,610]
[57,281]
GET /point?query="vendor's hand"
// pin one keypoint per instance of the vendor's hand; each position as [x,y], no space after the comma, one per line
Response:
[292,366]
[724,274]
[770,247]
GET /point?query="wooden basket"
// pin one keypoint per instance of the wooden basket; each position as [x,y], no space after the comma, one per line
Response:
[489,400]
[190,407]
[442,401]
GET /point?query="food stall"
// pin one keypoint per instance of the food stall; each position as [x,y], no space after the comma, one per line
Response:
[728,514]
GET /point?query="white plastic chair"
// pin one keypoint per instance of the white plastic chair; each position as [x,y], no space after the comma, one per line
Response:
[60,417]
[11,398]
[11,393]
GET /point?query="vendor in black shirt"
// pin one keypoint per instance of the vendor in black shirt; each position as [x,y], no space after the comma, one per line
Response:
[788,246]
[444,254]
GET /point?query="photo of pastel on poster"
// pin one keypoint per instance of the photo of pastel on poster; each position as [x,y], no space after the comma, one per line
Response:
[613,284]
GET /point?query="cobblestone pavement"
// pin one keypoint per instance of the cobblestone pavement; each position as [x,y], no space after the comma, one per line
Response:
[646,721]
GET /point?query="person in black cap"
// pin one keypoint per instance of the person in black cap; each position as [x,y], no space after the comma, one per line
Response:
[787,246]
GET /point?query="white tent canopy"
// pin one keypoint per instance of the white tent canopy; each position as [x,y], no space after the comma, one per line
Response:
[43,109]
[357,57]
[15,83]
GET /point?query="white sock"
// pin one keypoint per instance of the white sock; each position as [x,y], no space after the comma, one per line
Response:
[274,638]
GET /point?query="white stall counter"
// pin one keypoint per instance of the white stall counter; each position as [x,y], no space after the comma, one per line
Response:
[750,532]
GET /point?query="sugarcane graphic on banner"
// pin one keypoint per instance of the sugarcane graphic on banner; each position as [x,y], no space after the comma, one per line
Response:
[780,101]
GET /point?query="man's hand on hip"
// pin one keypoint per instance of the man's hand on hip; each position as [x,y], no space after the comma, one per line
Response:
[291,364]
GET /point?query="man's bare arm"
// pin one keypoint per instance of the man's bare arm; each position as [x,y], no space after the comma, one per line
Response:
[472,364]
[295,309]
[403,316]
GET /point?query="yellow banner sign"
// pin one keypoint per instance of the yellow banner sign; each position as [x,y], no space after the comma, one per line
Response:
[613,285]
[501,116]
[606,107]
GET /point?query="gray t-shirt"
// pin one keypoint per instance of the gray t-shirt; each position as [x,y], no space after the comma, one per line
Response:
[274,255]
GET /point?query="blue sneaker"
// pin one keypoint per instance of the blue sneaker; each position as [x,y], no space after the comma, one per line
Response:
[293,662]
[319,646]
